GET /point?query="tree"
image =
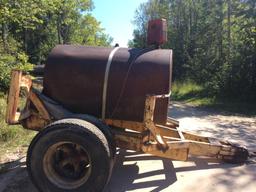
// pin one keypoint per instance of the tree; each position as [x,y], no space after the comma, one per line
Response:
[29,29]
[213,42]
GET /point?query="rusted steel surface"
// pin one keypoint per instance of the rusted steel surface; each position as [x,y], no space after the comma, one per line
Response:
[132,125]
[18,80]
[128,140]
[161,140]
[74,77]
[157,32]
[43,113]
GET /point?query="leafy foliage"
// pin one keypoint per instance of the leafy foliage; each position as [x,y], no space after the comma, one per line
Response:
[29,29]
[214,42]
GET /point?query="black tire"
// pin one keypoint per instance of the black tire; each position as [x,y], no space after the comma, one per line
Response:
[69,155]
[105,129]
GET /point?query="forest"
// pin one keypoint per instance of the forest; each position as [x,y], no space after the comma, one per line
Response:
[214,43]
[29,29]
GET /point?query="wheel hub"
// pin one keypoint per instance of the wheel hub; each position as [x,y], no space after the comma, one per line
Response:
[67,165]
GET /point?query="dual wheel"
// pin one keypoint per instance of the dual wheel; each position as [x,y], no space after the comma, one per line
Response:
[70,155]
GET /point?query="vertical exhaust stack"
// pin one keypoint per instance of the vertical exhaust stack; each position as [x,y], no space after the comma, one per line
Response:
[157,32]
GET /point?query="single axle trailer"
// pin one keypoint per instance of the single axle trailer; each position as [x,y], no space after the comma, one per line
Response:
[78,132]
[70,152]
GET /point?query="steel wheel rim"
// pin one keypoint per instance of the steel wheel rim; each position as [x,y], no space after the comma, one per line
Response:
[67,165]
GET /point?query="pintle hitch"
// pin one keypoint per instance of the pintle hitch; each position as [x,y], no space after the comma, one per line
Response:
[252,158]
[233,154]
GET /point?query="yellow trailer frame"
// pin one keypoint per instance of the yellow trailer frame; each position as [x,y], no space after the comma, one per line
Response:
[160,140]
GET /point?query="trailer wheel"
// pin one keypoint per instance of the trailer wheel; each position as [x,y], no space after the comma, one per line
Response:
[69,155]
[102,127]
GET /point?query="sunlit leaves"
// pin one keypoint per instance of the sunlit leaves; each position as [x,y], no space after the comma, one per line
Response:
[29,29]
[214,41]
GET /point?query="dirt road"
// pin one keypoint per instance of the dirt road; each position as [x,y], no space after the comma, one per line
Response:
[140,172]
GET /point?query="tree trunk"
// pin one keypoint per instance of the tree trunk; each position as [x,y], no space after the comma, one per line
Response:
[229,31]
[220,30]
[25,40]
[58,30]
[4,38]
[229,47]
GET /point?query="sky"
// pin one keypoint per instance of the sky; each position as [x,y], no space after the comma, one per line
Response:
[116,17]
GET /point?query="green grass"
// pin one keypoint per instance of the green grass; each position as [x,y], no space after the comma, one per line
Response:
[194,94]
[13,139]
[191,93]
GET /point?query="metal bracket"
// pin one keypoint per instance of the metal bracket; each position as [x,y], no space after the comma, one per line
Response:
[18,80]
[149,118]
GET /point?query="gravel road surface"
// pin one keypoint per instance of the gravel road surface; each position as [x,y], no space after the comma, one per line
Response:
[140,172]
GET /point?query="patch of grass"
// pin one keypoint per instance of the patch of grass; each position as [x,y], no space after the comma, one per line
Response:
[12,138]
[191,93]
[194,94]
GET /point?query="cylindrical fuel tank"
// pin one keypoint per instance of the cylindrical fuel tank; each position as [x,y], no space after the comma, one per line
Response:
[75,77]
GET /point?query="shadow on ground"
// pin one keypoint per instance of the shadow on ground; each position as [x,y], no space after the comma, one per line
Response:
[141,172]
[14,177]
[134,176]
[131,172]
[128,176]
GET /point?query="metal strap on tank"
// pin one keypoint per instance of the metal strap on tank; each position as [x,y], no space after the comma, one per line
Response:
[105,86]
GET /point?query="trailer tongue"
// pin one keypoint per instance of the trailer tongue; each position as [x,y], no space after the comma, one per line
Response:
[88,107]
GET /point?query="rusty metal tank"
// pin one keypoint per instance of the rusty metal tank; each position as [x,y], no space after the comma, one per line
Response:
[108,82]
